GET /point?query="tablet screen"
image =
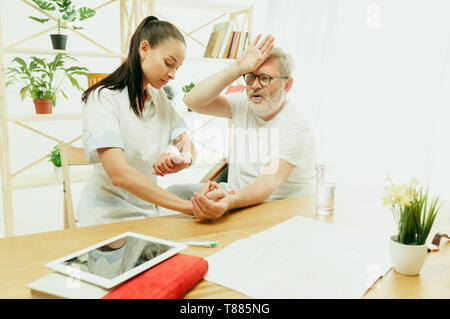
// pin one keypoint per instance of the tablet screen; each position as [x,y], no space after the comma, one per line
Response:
[118,257]
[112,262]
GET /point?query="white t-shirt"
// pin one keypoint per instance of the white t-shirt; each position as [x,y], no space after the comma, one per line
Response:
[109,121]
[287,136]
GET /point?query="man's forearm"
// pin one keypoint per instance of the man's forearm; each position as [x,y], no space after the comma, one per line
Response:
[254,193]
[207,90]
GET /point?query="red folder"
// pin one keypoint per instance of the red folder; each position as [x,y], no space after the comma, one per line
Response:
[170,279]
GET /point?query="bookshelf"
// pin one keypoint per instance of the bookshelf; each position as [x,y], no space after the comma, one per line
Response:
[131,13]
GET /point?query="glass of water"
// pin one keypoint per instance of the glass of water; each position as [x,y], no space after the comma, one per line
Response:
[325,198]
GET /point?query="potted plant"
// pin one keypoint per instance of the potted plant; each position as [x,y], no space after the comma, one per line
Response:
[68,14]
[55,159]
[42,81]
[414,212]
[169,92]
[186,89]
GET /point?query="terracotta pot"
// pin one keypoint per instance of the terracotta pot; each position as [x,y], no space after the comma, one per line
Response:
[407,259]
[43,106]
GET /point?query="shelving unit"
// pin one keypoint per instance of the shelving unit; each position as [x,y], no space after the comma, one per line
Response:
[131,14]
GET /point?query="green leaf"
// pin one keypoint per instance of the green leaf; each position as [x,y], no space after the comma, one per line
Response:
[76,68]
[23,92]
[41,20]
[73,81]
[64,94]
[39,61]
[86,13]
[20,61]
[44,5]
[70,16]
[63,5]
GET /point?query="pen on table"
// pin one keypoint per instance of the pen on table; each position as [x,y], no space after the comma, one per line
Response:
[199,243]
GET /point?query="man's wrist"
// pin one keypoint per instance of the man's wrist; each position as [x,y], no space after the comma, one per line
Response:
[232,201]
[236,69]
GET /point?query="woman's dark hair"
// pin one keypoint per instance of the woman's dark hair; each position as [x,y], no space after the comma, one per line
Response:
[129,74]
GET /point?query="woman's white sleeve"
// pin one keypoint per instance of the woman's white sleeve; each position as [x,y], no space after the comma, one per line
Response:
[100,126]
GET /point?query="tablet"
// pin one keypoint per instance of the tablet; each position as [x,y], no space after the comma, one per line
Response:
[115,260]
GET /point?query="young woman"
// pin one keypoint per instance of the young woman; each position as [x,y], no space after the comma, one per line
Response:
[128,125]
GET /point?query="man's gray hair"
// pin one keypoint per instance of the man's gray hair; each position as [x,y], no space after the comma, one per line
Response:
[285,59]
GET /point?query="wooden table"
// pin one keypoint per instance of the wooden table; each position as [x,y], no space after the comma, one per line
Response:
[23,258]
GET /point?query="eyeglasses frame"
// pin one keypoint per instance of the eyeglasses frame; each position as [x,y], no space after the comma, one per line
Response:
[259,80]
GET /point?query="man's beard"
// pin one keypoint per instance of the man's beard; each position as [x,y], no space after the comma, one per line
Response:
[269,103]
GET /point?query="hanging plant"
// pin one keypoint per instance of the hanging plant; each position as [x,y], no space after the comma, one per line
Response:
[68,15]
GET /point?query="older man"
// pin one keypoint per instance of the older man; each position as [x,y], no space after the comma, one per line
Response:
[279,163]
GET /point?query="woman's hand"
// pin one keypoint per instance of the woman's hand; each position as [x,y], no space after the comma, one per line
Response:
[168,163]
[255,54]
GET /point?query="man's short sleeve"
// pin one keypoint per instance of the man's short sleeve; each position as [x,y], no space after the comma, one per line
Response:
[100,125]
[297,144]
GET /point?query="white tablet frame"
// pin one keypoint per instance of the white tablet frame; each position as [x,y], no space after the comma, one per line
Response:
[110,283]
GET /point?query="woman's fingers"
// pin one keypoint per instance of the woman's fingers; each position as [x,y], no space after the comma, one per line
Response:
[213,210]
[216,194]
[168,162]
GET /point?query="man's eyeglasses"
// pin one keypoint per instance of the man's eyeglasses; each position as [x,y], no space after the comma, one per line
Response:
[264,79]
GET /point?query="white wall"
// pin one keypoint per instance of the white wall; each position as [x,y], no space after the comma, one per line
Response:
[373,77]
[40,209]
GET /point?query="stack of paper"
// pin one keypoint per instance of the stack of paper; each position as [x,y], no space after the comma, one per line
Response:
[302,258]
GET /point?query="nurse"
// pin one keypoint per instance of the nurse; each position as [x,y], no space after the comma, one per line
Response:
[128,127]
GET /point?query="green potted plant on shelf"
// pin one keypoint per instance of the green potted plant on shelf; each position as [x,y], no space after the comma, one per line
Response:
[169,91]
[414,212]
[68,15]
[42,80]
[55,159]
[186,89]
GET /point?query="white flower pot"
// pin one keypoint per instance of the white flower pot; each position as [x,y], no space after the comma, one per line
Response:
[407,259]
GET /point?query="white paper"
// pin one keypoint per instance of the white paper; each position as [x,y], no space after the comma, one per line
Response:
[302,258]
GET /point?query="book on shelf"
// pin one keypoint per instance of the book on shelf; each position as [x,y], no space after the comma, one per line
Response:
[170,279]
[210,45]
[222,30]
[228,30]
[242,44]
[224,42]
[234,45]
[227,47]
[233,37]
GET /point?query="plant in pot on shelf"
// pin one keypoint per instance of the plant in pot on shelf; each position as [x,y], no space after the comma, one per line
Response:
[169,92]
[55,159]
[68,15]
[186,89]
[42,80]
[414,212]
